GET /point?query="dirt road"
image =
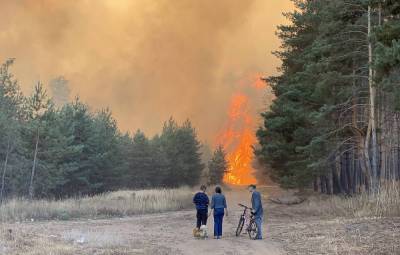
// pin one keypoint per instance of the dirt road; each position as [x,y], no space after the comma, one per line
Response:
[184,243]
[296,229]
[164,233]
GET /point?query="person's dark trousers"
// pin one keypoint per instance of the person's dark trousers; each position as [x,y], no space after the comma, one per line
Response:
[218,218]
[259,220]
[201,217]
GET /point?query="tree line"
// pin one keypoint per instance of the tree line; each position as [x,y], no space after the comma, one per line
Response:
[335,122]
[68,150]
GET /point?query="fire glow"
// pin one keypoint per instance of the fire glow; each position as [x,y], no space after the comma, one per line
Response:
[238,136]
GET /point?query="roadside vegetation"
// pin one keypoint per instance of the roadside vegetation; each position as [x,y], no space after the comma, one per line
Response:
[384,203]
[112,204]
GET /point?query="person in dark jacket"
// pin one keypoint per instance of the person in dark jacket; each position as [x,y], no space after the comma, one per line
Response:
[218,205]
[258,211]
[201,201]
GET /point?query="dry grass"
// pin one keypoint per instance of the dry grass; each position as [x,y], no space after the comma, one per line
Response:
[29,242]
[356,225]
[384,203]
[113,204]
[356,236]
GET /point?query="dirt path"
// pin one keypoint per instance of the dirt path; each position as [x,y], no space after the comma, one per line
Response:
[230,244]
[164,233]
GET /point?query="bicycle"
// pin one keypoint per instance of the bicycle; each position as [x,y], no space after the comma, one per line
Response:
[251,226]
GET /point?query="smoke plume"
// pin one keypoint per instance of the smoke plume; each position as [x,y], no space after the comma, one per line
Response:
[145,60]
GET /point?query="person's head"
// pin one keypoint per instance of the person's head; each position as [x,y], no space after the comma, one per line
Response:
[218,190]
[203,188]
[252,187]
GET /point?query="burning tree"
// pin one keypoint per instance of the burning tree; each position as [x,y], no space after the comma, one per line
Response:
[238,136]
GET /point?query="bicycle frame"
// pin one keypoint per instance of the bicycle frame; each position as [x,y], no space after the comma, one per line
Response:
[247,220]
[246,217]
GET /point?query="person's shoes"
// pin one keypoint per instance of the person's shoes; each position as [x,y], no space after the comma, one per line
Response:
[215,237]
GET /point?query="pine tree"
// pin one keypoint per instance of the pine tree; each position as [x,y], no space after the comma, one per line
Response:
[104,154]
[189,156]
[141,164]
[183,153]
[217,166]
[38,105]
[76,125]
[11,100]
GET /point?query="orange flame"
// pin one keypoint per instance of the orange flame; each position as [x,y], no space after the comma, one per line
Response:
[238,138]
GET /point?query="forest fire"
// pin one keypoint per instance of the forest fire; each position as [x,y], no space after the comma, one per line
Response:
[238,137]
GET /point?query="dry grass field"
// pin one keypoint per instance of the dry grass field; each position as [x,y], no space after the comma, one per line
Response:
[113,204]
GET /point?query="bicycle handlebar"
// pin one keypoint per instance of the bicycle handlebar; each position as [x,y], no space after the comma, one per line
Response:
[245,206]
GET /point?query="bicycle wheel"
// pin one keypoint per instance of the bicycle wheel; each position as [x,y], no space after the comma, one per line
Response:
[240,226]
[252,230]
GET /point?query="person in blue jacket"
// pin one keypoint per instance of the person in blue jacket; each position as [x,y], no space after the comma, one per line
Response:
[201,201]
[218,204]
[256,204]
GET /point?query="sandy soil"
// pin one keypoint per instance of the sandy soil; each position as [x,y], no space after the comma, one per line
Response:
[165,233]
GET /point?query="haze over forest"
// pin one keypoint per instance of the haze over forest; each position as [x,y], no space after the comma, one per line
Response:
[145,60]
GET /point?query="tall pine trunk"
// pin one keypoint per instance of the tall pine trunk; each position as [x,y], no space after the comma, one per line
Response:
[371,133]
[31,190]
[3,176]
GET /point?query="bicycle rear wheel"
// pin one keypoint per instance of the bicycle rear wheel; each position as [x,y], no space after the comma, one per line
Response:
[252,230]
[240,226]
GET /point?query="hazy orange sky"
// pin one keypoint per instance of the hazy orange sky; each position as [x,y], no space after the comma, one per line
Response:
[145,60]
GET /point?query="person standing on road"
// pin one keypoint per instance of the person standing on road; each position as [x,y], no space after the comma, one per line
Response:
[201,201]
[258,211]
[218,205]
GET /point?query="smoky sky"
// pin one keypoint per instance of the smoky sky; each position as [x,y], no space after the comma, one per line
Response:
[145,60]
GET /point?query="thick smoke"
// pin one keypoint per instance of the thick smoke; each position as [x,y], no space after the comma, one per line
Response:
[146,60]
